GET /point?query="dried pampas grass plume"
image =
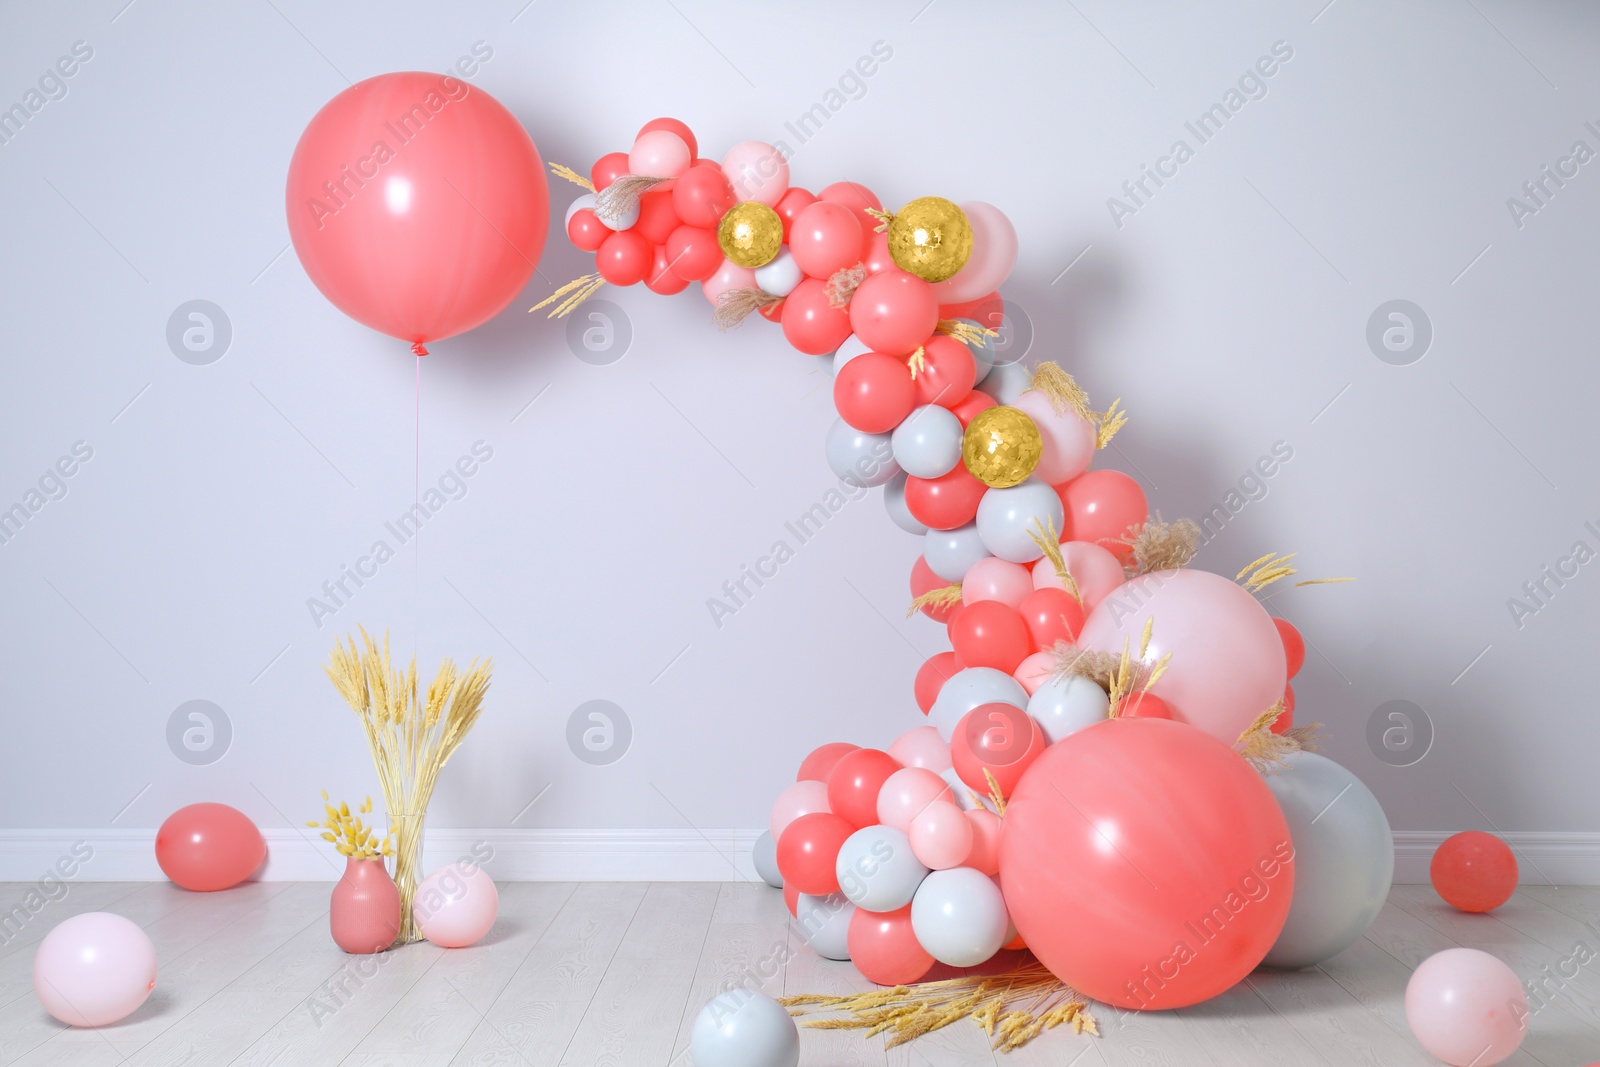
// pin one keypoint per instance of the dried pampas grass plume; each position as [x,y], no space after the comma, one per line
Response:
[736,305]
[1268,750]
[1162,546]
[946,596]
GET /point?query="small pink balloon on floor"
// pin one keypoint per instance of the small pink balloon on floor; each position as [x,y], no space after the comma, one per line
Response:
[456,905]
[1466,1007]
[94,969]
[206,847]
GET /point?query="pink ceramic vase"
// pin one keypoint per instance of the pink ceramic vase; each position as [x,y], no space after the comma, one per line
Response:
[364,913]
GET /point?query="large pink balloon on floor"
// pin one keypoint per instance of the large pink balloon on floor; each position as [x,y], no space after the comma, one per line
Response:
[94,969]
[1146,864]
[206,847]
[1228,664]
[1467,1008]
[417,204]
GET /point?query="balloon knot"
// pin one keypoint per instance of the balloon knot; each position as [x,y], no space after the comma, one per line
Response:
[418,350]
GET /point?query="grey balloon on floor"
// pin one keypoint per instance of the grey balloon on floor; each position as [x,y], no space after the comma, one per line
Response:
[743,1028]
[825,924]
[864,459]
[765,857]
[1006,517]
[1343,859]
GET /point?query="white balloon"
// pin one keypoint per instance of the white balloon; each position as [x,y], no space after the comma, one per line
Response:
[894,500]
[584,201]
[765,857]
[959,916]
[825,924]
[950,553]
[877,869]
[927,443]
[1065,705]
[1007,381]
[848,349]
[1005,517]
[780,276]
[743,1028]
[971,688]
[857,458]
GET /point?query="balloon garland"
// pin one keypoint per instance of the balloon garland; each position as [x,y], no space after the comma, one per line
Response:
[1089,781]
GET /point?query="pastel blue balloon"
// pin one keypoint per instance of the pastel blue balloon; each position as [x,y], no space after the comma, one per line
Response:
[951,552]
[1343,859]
[928,443]
[1065,705]
[1007,381]
[877,869]
[972,688]
[983,354]
[743,1028]
[959,916]
[824,924]
[1005,517]
[894,500]
[864,459]
[765,857]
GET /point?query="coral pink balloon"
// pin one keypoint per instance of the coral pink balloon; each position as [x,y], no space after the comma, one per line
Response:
[701,196]
[659,154]
[921,746]
[417,204]
[695,254]
[945,502]
[624,258]
[608,168]
[998,738]
[941,836]
[789,208]
[1067,437]
[1146,864]
[884,948]
[923,580]
[857,198]
[456,905]
[854,785]
[975,401]
[757,171]
[994,578]
[819,763]
[936,670]
[1097,571]
[808,852]
[825,238]
[947,375]
[989,634]
[94,969]
[810,321]
[907,791]
[1473,871]
[206,847]
[874,393]
[1294,646]
[1104,507]
[802,798]
[662,278]
[729,276]
[994,253]
[894,312]
[1035,671]
[1227,662]
[1467,1008]
[877,260]
[1053,616]
[671,125]
[985,852]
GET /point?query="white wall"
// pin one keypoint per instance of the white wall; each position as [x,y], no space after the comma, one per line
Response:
[1229,312]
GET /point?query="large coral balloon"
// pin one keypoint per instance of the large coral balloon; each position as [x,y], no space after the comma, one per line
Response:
[206,847]
[1146,864]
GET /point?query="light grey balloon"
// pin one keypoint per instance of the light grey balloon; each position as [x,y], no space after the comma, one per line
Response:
[971,688]
[765,857]
[959,916]
[964,793]
[1066,705]
[894,501]
[1006,515]
[824,924]
[864,459]
[1006,382]
[983,354]
[951,552]
[1343,859]
[877,870]
[928,442]
[743,1028]
[849,349]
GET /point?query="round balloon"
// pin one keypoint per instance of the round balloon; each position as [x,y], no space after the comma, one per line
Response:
[1467,1008]
[764,856]
[456,905]
[417,204]
[972,688]
[1474,871]
[959,916]
[1066,704]
[743,1028]
[824,923]
[877,869]
[1146,864]
[94,969]
[1007,517]
[884,947]
[1343,855]
[206,847]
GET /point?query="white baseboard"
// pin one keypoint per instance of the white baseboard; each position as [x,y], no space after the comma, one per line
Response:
[635,855]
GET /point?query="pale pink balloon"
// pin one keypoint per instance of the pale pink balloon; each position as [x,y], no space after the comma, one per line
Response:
[994,253]
[909,791]
[1466,1007]
[921,746]
[456,905]
[801,798]
[1068,439]
[941,836]
[1096,570]
[1228,664]
[729,276]
[993,578]
[1035,671]
[659,154]
[985,852]
[757,171]
[94,969]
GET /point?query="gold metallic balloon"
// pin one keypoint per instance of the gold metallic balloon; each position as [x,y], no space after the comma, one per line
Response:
[1001,447]
[750,234]
[931,238]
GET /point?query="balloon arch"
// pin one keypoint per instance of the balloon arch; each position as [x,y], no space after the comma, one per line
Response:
[1108,774]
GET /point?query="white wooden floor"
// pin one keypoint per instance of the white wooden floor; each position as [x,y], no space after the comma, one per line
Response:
[613,974]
